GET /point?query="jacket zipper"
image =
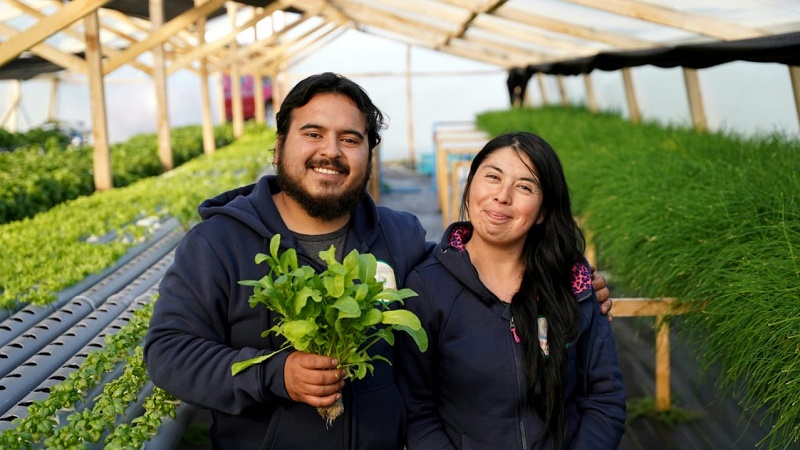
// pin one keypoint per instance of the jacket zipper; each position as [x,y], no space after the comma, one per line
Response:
[520,381]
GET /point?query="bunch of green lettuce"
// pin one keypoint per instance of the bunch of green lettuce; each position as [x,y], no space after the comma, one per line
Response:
[340,312]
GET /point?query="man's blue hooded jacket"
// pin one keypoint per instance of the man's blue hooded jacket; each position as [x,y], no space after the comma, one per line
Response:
[203,323]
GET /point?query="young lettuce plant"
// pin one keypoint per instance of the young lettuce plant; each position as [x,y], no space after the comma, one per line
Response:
[340,312]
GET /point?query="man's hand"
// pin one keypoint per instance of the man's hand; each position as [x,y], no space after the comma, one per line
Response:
[313,379]
[603,294]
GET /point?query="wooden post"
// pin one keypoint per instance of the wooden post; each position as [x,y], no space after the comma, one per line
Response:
[662,364]
[591,100]
[9,121]
[630,95]
[542,88]
[258,83]
[527,102]
[410,110]
[52,105]
[441,181]
[375,178]
[209,143]
[661,308]
[237,114]
[695,99]
[794,75]
[562,90]
[219,84]
[276,101]
[94,68]
[160,82]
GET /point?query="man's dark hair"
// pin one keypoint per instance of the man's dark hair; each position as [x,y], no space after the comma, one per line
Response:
[332,83]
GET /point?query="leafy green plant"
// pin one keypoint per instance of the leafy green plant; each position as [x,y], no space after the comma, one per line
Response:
[341,312]
[58,248]
[646,407]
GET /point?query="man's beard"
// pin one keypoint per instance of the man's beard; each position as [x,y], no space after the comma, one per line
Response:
[325,207]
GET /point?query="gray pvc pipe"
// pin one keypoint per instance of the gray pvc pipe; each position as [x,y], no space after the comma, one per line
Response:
[97,286]
[61,321]
[172,430]
[26,376]
[42,391]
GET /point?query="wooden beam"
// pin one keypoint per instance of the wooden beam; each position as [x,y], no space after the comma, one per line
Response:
[162,34]
[638,306]
[562,90]
[542,88]
[246,56]
[794,77]
[209,142]
[695,97]
[237,115]
[308,50]
[559,48]
[630,95]
[437,9]
[396,23]
[102,152]
[591,99]
[218,83]
[52,105]
[512,52]
[456,169]
[284,54]
[663,399]
[206,48]
[37,33]
[156,8]
[258,82]
[9,121]
[487,8]
[662,309]
[410,108]
[466,4]
[66,60]
[703,25]
[615,40]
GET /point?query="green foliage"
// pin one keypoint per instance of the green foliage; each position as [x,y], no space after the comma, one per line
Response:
[48,136]
[709,218]
[646,407]
[341,312]
[44,170]
[62,246]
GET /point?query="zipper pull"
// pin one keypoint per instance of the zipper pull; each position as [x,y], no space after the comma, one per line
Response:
[514,330]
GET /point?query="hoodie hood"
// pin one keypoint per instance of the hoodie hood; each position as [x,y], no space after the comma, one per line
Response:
[253,206]
[452,254]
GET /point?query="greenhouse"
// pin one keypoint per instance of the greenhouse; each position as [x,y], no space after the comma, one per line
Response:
[677,124]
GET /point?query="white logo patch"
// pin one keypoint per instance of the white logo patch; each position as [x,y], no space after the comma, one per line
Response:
[385,274]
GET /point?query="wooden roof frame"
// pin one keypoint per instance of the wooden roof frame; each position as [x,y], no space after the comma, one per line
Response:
[116,33]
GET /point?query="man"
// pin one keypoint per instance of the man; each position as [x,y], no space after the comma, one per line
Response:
[327,128]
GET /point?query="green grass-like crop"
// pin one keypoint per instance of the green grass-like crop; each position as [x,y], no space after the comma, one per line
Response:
[710,218]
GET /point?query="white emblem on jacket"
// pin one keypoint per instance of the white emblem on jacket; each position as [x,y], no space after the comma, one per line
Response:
[385,273]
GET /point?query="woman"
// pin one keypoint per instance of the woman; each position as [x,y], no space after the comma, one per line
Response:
[519,356]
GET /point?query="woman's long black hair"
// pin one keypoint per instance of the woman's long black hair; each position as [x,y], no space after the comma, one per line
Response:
[551,250]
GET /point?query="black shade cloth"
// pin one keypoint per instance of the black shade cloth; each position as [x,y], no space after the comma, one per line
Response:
[779,48]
